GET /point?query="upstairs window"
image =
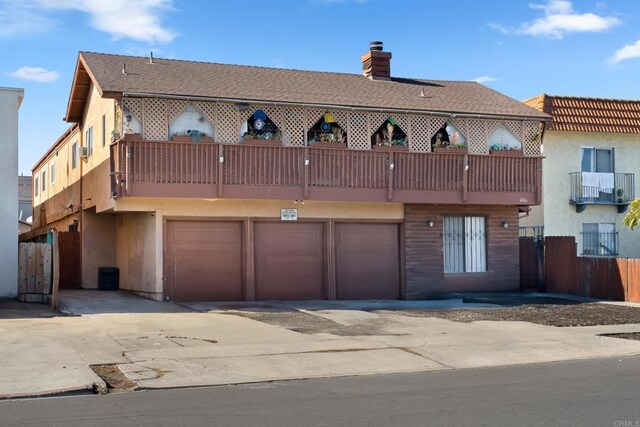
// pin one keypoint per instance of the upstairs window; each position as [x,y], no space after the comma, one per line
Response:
[52,174]
[74,155]
[89,141]
[599,239]
[596,159]
[44,180]
[104,130]
[36,186]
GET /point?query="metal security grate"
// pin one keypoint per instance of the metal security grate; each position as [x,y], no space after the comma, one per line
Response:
[464,240]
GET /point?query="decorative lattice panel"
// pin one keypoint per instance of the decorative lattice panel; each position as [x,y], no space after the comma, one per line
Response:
[435,123]
[477,136]
[375,120]
[227,126]
[155,125]
[293,126]
[359,137]
[420,139]
[515,128]
[175,107]
[531,139]
[342,117]
[118,117]
[134,105]
[403,121]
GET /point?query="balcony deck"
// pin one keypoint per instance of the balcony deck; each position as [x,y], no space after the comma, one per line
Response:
[169,169]
[622,193]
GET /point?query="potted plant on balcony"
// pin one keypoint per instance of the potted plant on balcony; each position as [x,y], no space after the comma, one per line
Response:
[335,139]
[265,139]
[620,195]
[505,150]
[191,135]
[459,147]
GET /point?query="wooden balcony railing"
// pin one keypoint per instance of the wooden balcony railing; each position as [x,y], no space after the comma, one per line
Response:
[169,169]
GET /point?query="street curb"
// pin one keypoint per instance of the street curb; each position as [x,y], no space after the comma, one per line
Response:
[96,387]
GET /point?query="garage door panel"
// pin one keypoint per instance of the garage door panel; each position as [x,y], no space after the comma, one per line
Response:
[367,261]
[289,261]
[204,260]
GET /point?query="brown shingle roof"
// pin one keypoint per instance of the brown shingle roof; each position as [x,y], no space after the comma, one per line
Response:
[570,113]
[200,79]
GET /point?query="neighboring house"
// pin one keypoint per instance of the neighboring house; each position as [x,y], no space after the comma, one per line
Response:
[23,226]
[592,156]
[284,185]
[25,198]
[10,100]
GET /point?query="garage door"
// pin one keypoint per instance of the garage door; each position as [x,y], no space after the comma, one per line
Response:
[367,261]
[204,261]
[289,262]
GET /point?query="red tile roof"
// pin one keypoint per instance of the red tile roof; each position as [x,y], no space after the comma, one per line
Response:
[571,113]
[167,77]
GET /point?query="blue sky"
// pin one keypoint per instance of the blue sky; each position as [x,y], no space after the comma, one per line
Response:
[519,48]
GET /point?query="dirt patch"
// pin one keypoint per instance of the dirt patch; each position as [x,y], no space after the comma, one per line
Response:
[585,314]
[624,335]
[116,380]
[306,323]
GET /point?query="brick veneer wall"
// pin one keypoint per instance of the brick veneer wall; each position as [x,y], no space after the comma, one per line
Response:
[424,256]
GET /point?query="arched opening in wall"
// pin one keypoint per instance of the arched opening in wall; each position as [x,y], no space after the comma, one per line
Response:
[326,130]
[448,136]
[503,140]
[191,126]
[389,134]
[260,127]
[131,124]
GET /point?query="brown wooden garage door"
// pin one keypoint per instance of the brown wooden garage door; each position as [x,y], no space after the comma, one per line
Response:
[367,261]
[204,261]
[289,261]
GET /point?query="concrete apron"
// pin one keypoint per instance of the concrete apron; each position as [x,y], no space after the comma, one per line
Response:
[165,345]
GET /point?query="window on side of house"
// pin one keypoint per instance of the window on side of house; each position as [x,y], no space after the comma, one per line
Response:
[74,155]
[89,141]
[44,180]
[36,186]
[52,173]
[596,159]
[599,239]
[104,130]
[465,244]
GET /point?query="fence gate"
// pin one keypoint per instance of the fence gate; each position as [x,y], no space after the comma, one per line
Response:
[69,255]
[35,272]
[531,263]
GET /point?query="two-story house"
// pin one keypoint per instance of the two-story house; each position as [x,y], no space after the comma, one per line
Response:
[10,100]
[591,158]
[204,181]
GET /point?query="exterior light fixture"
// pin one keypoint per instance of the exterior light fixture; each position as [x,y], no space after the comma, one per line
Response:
[221,159]
[391,166]
[429,222]
[306,162]
[505,224]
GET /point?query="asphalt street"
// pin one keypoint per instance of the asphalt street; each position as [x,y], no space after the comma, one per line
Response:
[601,392]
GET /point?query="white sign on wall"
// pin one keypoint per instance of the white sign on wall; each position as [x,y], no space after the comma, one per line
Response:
[288,214]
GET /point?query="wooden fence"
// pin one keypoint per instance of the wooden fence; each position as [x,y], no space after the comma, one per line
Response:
[594,277]
[35,271]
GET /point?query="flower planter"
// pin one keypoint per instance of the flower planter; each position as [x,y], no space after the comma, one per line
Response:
[390,147]
[262,142]
[330,145]
[451,150]
[188,138]
[506,153]
[132,137]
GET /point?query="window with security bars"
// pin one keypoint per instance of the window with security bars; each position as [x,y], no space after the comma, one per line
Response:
[599,239]
[465,244]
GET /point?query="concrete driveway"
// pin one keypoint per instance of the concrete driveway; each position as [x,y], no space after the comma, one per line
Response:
[155,345]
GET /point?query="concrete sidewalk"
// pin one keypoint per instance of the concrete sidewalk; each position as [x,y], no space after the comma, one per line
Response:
[166,345]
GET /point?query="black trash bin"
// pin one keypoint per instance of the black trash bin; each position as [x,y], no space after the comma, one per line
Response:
[108,278]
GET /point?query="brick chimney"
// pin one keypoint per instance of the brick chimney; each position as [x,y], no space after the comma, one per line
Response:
[376,64]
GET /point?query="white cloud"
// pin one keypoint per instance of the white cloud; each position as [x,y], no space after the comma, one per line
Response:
[484,79]
[560,19]
[36,74]
[134,19]
[22,17]
[629,51]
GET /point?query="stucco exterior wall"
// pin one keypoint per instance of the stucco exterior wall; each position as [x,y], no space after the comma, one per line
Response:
[562,156]
[98,245]
[95,108]
[10,99]
[136,254]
